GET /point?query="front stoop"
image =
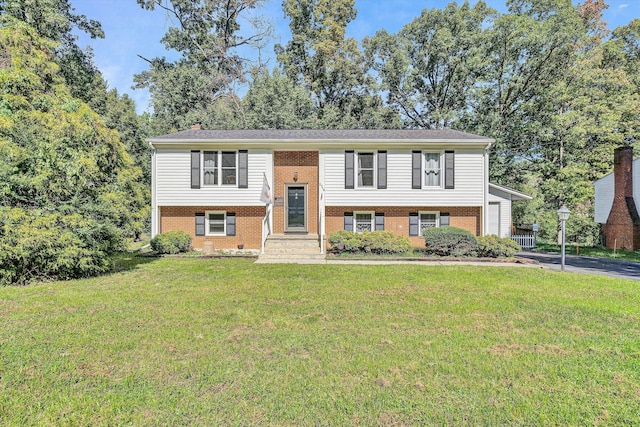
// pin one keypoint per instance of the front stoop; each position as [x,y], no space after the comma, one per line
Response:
[292,248]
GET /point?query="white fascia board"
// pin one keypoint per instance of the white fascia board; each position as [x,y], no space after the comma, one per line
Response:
[306,144]
[516,195]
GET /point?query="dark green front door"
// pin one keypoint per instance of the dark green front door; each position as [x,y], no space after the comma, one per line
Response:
[296,209]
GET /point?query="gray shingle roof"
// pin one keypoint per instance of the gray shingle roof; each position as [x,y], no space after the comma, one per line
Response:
[322,135]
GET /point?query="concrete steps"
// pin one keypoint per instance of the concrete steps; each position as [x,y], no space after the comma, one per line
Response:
[292,248]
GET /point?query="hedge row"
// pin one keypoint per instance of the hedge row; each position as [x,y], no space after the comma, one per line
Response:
[440,241]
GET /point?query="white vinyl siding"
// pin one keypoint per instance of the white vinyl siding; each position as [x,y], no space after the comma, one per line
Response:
[469,189]
[499,202]
[173,180]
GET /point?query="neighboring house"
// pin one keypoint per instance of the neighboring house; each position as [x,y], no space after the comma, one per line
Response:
[210,183]
[616,199]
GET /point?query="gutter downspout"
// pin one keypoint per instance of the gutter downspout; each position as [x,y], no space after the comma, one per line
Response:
[154,207]
[485,201]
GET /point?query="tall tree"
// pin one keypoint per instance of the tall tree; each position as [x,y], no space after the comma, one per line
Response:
[274,101]
[208,38]
[430,68]
[69,193]
[331,66]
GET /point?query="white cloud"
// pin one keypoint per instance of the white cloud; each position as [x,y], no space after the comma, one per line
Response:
[622,6]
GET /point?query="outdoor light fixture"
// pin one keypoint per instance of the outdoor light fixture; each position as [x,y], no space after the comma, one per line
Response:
[295,177]
[563,216]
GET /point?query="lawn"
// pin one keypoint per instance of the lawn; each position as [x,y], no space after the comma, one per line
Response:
[226,342]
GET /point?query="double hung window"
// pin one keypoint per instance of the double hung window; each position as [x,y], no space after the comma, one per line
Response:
[432,170]
[215,223]
[210,168]
[366,170]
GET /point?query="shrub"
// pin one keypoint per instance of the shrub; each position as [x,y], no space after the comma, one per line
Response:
[497,247]
[450,241]
[171,242]
[376,242]
[39,245]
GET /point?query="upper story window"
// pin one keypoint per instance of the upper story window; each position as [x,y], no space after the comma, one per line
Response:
[432,170]
[210,168]
[366,170]
[228,168]
[213,168]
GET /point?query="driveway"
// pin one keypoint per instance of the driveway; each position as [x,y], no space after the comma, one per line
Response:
[587,265]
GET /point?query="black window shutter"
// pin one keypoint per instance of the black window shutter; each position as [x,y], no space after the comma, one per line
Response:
[348,169]
[444,219]
[382,169]
[449,169]
[348,221]
[413,224]
[379,221]
[243,169]
[200,227]
[195,169]
[416,169]
[231,224]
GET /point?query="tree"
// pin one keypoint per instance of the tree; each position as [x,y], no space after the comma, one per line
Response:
[60,168]
[273,101]
[208,38]
[331,66]
[431,66]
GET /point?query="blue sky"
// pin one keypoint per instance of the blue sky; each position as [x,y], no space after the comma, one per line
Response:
[131,31]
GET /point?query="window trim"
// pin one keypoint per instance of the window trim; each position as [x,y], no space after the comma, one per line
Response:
[374,168]
[372,221]
[440,169]
[420,213]
[207,228]
[218,168]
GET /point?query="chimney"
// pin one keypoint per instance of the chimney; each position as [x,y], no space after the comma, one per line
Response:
[197,126]
[622,230]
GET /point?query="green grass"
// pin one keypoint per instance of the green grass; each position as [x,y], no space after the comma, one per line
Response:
[228,342]
[573,249]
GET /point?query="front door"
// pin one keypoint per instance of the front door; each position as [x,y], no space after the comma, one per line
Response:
[296,209]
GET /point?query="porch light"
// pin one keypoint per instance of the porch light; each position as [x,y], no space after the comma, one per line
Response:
[563,216]
[295,177]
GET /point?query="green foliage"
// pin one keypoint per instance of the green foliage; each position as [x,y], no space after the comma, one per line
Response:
[374,242]
[59,162]
[497,247]
[171,242]
[450,241]
[198,87]
[39,245]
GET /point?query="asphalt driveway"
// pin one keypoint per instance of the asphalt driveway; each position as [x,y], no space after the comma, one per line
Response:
[587,265]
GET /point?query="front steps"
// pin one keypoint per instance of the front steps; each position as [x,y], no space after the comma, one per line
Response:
[292,248]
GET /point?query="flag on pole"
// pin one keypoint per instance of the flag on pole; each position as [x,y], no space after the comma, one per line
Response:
[265,196]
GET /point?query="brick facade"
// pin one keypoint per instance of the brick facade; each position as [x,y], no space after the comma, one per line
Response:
[248,225]
[396,219]
[285,164]
[622,230]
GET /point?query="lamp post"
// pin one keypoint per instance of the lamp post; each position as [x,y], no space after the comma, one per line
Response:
[563,216]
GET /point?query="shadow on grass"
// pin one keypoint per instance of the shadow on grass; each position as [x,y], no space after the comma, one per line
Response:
[127,261]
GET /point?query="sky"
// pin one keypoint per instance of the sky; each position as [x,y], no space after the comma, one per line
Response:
[131,31]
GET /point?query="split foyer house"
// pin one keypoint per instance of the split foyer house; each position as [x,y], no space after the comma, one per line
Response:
[212,184]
